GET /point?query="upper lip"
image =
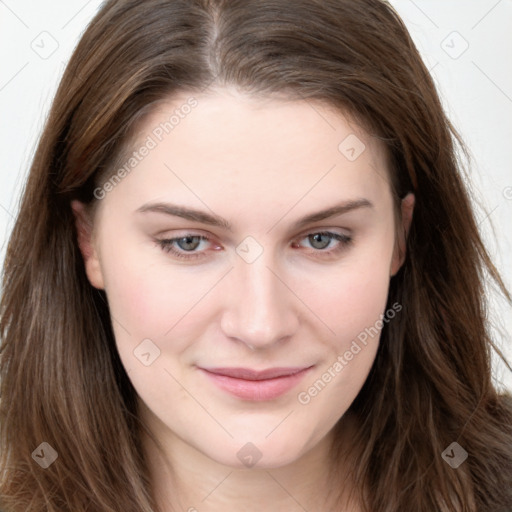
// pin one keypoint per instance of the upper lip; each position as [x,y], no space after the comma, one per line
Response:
[249,374]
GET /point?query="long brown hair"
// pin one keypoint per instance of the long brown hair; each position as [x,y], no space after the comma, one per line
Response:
[62,382]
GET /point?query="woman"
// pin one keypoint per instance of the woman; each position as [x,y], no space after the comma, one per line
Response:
[246,275]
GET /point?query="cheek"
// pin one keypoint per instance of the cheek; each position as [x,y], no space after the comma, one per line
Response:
[353,310]
[351,301]
[359,294]
[149,298]
[166,304]
[353,295]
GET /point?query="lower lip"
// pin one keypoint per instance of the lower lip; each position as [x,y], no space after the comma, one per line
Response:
[257,390]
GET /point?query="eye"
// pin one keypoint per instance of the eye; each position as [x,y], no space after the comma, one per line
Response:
[327,242]
[184,246]
[187,247]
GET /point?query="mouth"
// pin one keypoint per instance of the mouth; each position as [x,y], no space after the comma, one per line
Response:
[256,385]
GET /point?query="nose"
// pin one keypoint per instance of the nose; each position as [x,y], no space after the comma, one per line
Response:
[261,309]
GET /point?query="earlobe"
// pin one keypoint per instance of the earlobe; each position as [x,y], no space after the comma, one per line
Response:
[407,208]
[84,230]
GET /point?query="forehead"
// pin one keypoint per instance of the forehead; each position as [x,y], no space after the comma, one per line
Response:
[225,145]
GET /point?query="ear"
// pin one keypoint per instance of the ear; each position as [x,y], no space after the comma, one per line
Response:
[407,207]
[84,229]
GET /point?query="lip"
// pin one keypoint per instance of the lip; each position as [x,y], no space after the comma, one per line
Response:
[256,385]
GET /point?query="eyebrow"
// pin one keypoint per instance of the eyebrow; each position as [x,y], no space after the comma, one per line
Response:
[212,219]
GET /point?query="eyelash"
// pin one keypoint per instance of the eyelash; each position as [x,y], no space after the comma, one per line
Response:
[167,244]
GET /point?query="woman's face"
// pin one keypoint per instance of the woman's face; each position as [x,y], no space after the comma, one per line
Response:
[292,275]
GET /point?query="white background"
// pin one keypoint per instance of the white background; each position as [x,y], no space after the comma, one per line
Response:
[467,45]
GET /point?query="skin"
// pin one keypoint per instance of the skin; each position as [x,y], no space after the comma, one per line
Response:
[261,164]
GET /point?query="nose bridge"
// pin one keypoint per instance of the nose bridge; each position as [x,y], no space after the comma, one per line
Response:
[260,310]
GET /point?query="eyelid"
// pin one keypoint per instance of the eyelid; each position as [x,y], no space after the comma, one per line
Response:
[321,229]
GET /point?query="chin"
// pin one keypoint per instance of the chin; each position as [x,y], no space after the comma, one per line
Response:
[264,454]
